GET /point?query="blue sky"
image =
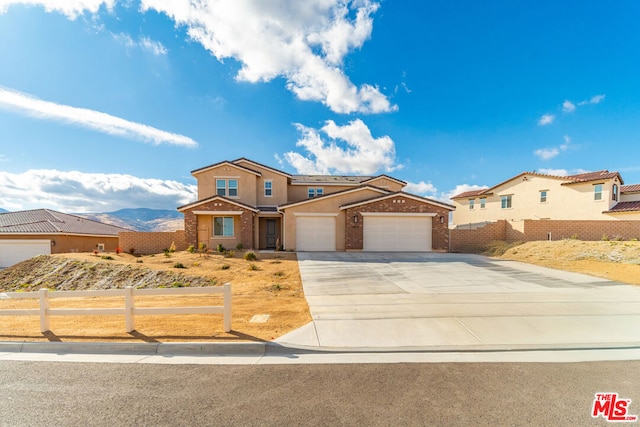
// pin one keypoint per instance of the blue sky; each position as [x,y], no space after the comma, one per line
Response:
[108,104]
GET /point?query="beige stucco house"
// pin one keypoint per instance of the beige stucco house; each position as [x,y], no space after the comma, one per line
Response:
[242,202]
[598,195]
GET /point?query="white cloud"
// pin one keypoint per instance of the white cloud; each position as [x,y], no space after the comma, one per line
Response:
[303,41]
[461,188]
[422,188]
[568,106]
[547,153]
[597,99]
[71,8]
[144,43]
[554,172]
[546,119]
[101,122]
[550,153]
[79,192]
[362,154]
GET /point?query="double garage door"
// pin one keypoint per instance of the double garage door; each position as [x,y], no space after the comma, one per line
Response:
[395,233]
[15,251]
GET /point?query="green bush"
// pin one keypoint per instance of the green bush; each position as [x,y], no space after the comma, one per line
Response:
[225,267]
[191,249]
[107,257]
[253,267]
[239,246]
[220,248]
[229,254]
[250,256]
[179,265]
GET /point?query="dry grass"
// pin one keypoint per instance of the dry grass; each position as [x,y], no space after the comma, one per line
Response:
[613,260]
[274,288]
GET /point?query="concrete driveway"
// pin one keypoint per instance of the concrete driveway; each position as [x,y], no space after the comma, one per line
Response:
[442,301]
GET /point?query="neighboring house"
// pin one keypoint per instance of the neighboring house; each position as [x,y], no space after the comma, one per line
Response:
[242,202]
[589,196]
[25,234]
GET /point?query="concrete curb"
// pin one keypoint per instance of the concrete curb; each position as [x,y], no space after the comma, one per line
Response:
[269,348]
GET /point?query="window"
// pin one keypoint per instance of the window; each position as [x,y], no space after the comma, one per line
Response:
[597,192]
[227,187]
[223,226]
[221,187]
[614,193]
[315,192]
[472,203]
[268,188]
[483,202]
[505,202]
[543,196]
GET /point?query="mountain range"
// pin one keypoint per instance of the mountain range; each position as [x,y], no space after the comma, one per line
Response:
[141,219]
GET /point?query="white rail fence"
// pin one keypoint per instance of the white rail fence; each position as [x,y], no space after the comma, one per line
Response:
[129,311]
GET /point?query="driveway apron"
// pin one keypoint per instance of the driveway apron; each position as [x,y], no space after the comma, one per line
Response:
[443,301]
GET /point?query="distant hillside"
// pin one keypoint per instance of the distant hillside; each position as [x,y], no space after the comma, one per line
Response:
[141,219]
[3,210]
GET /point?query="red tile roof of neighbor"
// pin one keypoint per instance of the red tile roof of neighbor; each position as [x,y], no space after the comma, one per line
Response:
[593,176]
[470,193]
[45,221]
[626,207]
[630,188]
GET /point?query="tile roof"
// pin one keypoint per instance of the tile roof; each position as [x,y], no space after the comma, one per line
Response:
[630,188]
[626,207]
[592,176]
[329,179]
[46,221]
[470,193]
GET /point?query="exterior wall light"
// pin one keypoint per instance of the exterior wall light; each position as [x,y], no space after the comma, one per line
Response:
[355,218]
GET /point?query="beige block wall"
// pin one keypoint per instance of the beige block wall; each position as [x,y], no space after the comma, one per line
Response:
[329,205]
[146,243]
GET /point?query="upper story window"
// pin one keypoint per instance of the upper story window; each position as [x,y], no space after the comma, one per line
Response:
[227,187]
[505,202]
[472,203]
[614,193]
[483,202]
[268,188]
[315,192]
[543,196]
[597,192]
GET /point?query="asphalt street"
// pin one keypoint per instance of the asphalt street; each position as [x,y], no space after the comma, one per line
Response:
[81,394]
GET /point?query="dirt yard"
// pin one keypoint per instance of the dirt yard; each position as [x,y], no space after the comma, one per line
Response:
[613,260]
[271,286]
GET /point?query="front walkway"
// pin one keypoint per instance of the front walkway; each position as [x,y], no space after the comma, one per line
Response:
[437,301]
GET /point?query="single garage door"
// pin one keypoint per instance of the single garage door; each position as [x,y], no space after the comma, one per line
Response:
[316,233]
[14,251]
[397,233]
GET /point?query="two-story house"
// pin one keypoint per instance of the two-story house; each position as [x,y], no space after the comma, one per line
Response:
[242,202]
[597,195]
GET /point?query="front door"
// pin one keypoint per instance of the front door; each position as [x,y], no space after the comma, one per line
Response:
[271,234]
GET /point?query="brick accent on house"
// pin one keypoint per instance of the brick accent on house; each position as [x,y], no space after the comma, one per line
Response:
[246,229]
[145,243]
[354,239]
[532,230]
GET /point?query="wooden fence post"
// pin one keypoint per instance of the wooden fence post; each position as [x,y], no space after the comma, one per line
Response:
[130,323]
[44,311]
[227,307]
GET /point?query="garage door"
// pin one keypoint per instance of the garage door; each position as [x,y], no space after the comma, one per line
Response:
[14,251]
[316,233]
[397,233]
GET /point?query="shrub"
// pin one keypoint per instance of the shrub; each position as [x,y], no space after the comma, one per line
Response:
[177,285]
[229,254]
[132,251]
[179,265]
[167,253]
[634,239]
[139,261]
[196,264]
[604,238]
[191,249]
[253,267]
[250,256]
[220,248]
[239,246]
[172,248]
[225,267]
[107,257]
